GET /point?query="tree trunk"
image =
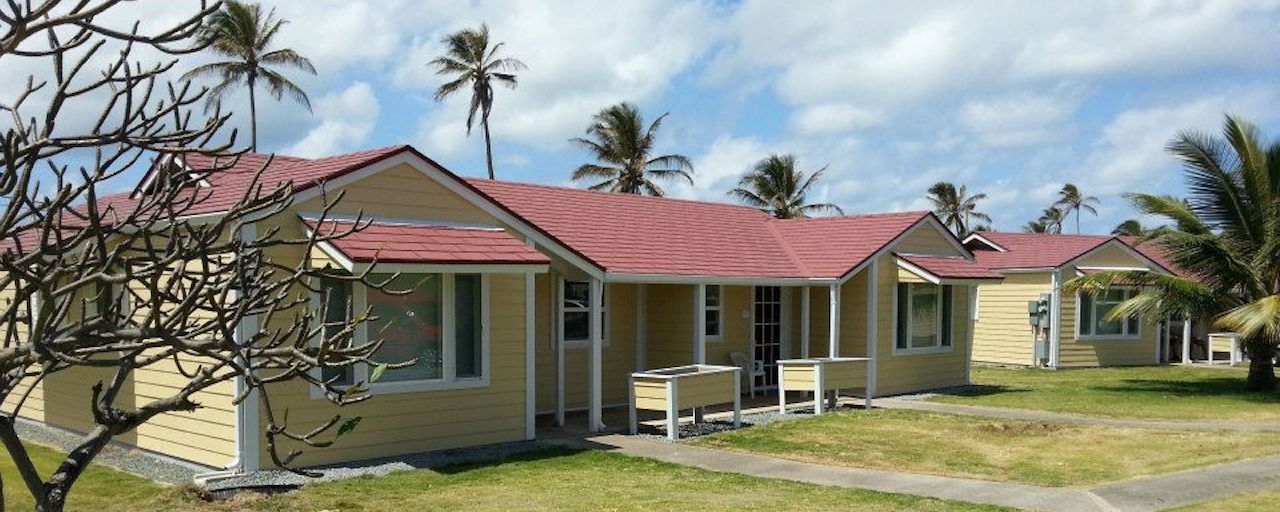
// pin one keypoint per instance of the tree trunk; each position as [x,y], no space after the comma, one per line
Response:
[1262,372]
[59,484]
[488,147]
[253,118]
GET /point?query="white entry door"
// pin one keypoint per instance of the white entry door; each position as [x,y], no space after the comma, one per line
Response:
[766,333]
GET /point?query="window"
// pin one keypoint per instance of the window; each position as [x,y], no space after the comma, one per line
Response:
[1092,317]
[713,322]
[923,320]
[335,297]
[435,320]
[576,317]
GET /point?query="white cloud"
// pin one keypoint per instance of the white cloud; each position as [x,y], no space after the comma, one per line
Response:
[832,118]
[1020,119]
[718,170]
[346,119]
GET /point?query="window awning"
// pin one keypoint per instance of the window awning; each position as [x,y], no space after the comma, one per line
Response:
[423,247]
[947,269]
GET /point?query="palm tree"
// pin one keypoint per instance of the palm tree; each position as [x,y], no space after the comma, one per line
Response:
[1052,219]
[955,207]
[1035,226]
[1071,200]
[1225,242]
[775,186]
[241,32]
[623,148]
[1131,227]
[469,60]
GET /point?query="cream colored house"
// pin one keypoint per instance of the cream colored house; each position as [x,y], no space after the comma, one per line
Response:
[1076,333]
[542,300]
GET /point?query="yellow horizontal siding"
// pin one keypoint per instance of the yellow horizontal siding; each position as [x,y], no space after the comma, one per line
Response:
[1002,334]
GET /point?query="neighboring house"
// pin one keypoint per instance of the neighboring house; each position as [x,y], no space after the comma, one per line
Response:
[542,299]
[1077,334]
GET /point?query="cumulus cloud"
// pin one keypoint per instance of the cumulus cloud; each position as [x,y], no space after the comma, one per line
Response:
[346,119]
[1020,119]
[832,118]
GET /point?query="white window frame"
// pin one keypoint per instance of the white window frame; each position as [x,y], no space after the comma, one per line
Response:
[1124,335]
[940,348]
[449,380]
[604,309]
[719,309]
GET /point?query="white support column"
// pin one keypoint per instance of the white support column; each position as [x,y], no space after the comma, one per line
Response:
[819,389]
[248,424]
[804,322]
[1186,340]
[558,296]
[969,324]
[873,331]
[595,421]
[699,331]
[530,368]
[642,327]
[833,340]
[1055,319]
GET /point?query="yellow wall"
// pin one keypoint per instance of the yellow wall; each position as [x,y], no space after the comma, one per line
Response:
[618,355]
[926,240]
[1104,352]
[670,321]
[404,193]
[1002,335]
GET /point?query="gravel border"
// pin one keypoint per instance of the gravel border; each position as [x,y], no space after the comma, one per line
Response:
[277,480]
[116,455]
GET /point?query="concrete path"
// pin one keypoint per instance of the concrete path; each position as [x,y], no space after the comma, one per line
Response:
[1057,417]
[1193,486]
[974,491]
[1141,495]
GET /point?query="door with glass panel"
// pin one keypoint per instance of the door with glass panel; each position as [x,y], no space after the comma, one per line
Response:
[766,320]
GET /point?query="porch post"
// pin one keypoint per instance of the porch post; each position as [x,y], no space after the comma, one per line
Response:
[699,321]
[530,367]
[1186,339]
[1055,318]
[557,295]
[804,322]
[873,331]
[833,341]
[642,328]
[596,386]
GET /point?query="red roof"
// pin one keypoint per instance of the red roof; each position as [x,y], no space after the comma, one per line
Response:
[1034,250]
[417,243]
[1152,249]
[951,267]
[632,234]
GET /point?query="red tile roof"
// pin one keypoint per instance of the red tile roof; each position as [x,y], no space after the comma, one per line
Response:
[417,243]
[951,267]
[631,234]
[1153,250]
[1034,250]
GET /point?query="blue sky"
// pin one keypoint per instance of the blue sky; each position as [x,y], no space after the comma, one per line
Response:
[1009,98]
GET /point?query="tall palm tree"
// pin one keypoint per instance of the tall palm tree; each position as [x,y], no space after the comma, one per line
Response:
[1225,242]
[955,207]
[1071,200]
[1035,226]
[1052,219]
[775,186]
[623,148]
[470,60]
[1131,227]
[241,32]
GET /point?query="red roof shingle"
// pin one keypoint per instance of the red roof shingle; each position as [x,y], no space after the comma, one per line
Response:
[1035,250]
[951,267]
[416,243]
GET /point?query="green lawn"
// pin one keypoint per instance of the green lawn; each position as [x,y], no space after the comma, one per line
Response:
[1012,451]
[1240,503]
[1165,392]
[547,480]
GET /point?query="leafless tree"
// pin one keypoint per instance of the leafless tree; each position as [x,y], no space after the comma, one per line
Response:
[123,283]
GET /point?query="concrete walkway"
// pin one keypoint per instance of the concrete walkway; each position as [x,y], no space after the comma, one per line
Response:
[1021,496]
[1141,495]
[1057,417]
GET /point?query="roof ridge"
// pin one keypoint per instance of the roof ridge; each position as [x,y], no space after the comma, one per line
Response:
[916,213]
[787,249]
[614,194]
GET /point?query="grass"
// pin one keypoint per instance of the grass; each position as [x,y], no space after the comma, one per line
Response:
[1240,503]
[1162,392]
[99,488]
[1009,451]
[547,480]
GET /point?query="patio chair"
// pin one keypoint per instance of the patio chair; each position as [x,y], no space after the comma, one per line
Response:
[750,369]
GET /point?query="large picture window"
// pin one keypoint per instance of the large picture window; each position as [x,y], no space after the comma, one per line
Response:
[1092,318]
[713,321]
[435,320]
[576,314]
[923,320]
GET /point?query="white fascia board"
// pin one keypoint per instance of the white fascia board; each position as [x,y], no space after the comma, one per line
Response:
[1124,247]
[888,248]
[985,241]
[919,272]
[721,280]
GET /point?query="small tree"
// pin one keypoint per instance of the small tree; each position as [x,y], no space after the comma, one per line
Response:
[72,259]
[955,206]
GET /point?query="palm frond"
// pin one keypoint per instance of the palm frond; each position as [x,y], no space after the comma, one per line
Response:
[287,57]
[280,86]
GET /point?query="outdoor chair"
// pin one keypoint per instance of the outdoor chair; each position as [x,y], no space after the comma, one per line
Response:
[750,369]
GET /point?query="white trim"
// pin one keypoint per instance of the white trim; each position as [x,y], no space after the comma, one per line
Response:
[596,388]
[720,280]
[948,334]
[557,294]
[355,267]
[585,343]
[833,332]
[1055,318]
[968,334]
[888,248]
[247,411]
[1123,246]
[699,326]
[984,241]
[530,351]
[1186,339]
[873,326]
[917,271]
[398,221]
